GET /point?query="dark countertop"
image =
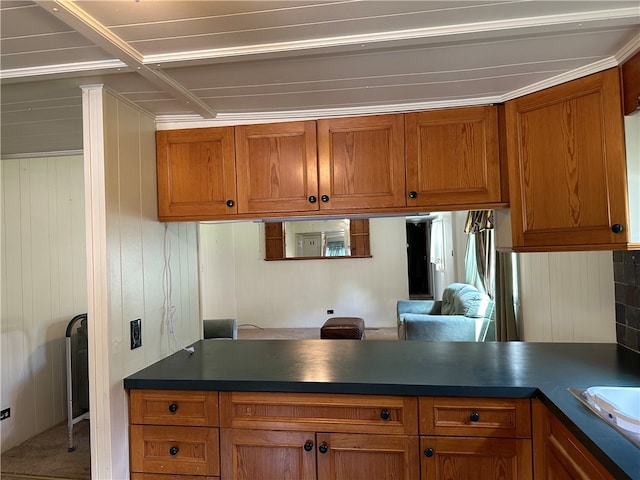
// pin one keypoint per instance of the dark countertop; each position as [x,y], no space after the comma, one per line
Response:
[491,369]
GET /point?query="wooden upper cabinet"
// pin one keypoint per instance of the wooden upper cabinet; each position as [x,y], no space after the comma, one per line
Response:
[453,157]
[631,84]
[567,167]
[277,167]
[361,162]
[196,173]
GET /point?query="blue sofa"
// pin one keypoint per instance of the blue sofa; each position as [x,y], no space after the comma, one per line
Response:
[463,315]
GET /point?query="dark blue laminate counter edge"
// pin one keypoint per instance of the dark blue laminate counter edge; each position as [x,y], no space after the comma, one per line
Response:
[512,370]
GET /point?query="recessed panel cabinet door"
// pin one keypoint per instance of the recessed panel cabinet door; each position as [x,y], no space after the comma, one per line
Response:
[453,157]
[196,173]
[267,454]
[567,167]
[277,167]
[454,458]
[361,162]
[367,457]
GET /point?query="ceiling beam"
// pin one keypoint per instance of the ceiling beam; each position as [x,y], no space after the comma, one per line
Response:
[83,23]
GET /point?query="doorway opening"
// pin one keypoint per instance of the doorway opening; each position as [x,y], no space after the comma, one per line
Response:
[418,261]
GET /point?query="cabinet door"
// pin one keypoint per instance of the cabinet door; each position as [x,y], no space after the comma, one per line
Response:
[453,458]
[277,167]
[453,157]
[196,173]
[267,454]
[367,457]
[361,162]
[567,166]
[558,454]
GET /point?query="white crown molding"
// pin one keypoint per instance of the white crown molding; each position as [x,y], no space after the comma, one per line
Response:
[60,153]
[630,49]
[63,68]
[594,67]
[177,122]
[576,21]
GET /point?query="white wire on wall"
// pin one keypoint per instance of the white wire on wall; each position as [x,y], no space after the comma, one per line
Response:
[169,308]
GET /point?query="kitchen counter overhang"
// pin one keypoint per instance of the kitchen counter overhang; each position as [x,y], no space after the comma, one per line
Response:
[490,369]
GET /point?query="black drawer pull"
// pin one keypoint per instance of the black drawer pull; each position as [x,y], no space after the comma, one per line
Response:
[385,414]
[308,446]
[230,203]
[324,198]
[312,199]
[413,194]
[324,448]
[173,451]
[474,417]
[173,408]
[428,452]
[617,228]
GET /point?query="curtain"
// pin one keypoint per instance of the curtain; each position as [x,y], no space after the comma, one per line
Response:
[479,256]
[506,326]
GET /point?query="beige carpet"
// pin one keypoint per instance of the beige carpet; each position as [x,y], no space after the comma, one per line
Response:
[45,456]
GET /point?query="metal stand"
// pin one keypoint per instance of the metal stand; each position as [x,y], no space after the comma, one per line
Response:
[71,421]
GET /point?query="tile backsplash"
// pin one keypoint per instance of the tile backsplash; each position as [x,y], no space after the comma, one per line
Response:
[626,275]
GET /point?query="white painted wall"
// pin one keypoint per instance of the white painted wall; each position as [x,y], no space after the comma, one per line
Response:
[567,297]
[125,251]
[237,282]
[43,279]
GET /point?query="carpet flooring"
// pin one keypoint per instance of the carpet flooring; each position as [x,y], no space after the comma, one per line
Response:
[45,456]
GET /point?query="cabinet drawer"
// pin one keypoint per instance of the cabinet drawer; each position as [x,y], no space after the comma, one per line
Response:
[335,413]
[169,450]
[173,407]
[476,417]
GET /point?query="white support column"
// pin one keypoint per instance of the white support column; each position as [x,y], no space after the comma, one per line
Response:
[97,275]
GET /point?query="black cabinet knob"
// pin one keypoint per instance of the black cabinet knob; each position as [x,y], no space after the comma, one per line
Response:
[324,448]
[617,228]
[428,452]
[474,417]
[308,446]
[385,414]
[173,408]
[173,451]
[324,198]
[230,203]
[312,199]
[413,194]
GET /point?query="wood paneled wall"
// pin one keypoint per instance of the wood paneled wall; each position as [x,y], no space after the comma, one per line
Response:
[44,284]
[126,245]
[567,297]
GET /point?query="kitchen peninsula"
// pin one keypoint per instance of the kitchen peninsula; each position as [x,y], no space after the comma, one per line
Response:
[501,379]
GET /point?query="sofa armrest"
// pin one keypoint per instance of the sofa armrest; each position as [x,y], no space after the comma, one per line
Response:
[444,328]
[419,306]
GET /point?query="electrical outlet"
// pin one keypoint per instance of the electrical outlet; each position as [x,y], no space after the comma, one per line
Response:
[136,333]
[330,311]
[5,413]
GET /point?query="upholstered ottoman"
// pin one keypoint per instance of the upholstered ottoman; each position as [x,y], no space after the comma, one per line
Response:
[343,328]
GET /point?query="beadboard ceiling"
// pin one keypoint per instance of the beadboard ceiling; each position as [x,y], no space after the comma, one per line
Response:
[224,62]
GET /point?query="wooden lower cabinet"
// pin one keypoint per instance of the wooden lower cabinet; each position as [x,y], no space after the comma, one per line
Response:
[201,435]
[475,438]
[271,454]
[453,458]
[559,455]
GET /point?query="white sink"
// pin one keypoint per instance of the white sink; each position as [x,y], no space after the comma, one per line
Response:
[620,404]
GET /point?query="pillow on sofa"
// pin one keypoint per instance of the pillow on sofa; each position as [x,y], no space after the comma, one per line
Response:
[464,299]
